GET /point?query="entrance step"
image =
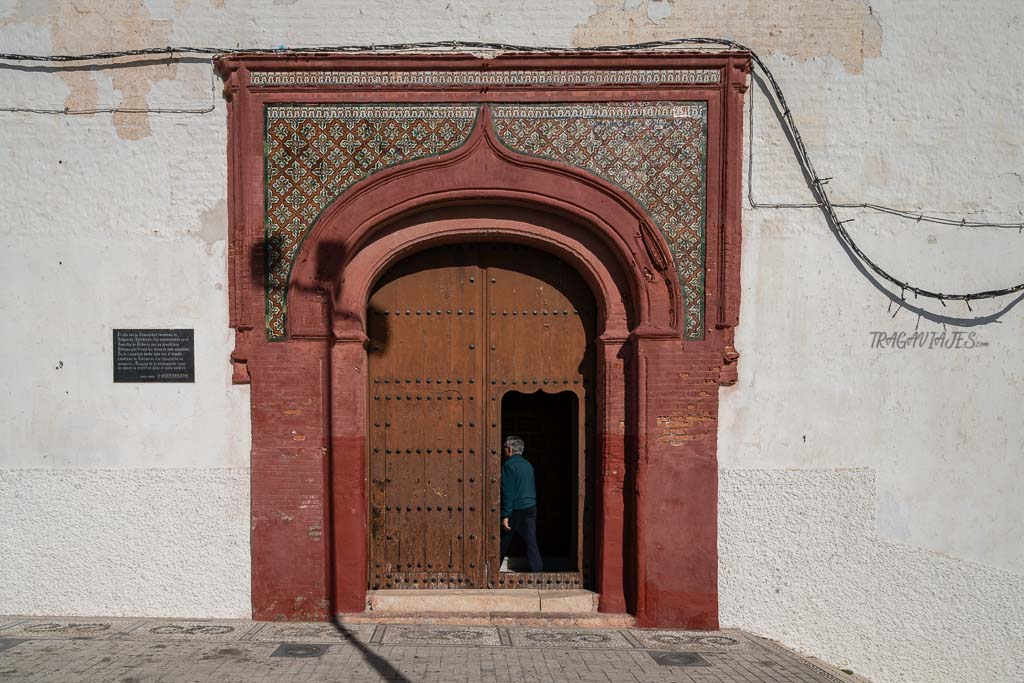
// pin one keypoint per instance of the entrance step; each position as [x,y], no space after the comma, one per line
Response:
[510,601]
[551,619]
[487,607]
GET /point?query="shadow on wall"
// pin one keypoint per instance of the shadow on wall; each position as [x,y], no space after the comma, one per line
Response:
[330,257]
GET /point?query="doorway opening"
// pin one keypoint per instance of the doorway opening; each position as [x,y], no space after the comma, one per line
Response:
[467,343]
[550,426]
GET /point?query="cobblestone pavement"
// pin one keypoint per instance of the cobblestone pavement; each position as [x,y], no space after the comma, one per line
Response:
[133,651]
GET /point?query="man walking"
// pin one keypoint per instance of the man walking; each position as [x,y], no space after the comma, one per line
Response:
[519,502]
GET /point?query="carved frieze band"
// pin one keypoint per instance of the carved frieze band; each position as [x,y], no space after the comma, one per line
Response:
[372,111]
[491,78]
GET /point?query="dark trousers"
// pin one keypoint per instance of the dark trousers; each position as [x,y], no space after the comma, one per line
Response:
[524,524]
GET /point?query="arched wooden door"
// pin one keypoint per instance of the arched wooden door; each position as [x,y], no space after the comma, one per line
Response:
[453,330]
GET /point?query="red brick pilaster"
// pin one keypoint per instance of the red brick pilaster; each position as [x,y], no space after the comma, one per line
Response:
[677,475]
[348,446]
[289,574]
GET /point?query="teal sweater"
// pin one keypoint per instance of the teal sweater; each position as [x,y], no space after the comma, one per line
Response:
[518,489]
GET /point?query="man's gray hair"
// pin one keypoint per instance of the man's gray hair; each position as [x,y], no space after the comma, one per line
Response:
[515,444]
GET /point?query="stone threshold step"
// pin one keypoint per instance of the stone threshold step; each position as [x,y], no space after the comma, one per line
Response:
[545,619]
[465,601]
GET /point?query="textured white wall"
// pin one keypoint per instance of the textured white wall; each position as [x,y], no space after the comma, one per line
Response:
[125,542]
[899,566]
[903,463]
[802,561]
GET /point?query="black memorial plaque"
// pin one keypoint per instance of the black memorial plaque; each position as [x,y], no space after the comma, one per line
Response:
[154,356]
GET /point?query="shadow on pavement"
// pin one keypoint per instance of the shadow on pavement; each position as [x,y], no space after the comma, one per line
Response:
[380,665]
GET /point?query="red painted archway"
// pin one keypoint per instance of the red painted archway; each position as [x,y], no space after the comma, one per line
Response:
[657,395]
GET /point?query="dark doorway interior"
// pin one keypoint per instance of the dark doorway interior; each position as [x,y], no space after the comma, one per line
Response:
[550,426]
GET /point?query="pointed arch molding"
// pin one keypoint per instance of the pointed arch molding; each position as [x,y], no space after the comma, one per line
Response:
[625,165]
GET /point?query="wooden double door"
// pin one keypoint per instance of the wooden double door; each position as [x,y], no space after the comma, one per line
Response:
[468,344]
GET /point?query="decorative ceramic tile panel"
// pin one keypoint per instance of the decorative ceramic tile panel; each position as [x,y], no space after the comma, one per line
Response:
[478,78]
[656,151]
[314,153]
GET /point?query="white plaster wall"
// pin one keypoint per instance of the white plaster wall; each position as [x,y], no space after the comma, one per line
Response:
[116,499]
[909,567]
[125,542]
[801,560]
[101,233]
[911,458]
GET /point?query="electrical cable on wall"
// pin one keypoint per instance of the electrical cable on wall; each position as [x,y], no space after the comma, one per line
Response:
[126,110]
[816,183]
[916,216]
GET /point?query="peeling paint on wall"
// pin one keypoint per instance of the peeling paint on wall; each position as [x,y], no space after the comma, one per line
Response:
[213,226]
[847,30]
[87,26]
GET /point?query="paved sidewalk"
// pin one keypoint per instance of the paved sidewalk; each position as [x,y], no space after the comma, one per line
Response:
[135,650]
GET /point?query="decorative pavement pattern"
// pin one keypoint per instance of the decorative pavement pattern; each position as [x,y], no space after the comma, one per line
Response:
[137,651]
[655,151]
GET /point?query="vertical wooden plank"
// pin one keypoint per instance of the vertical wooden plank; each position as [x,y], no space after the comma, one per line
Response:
[474,347]
[380,557]
[491,491]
